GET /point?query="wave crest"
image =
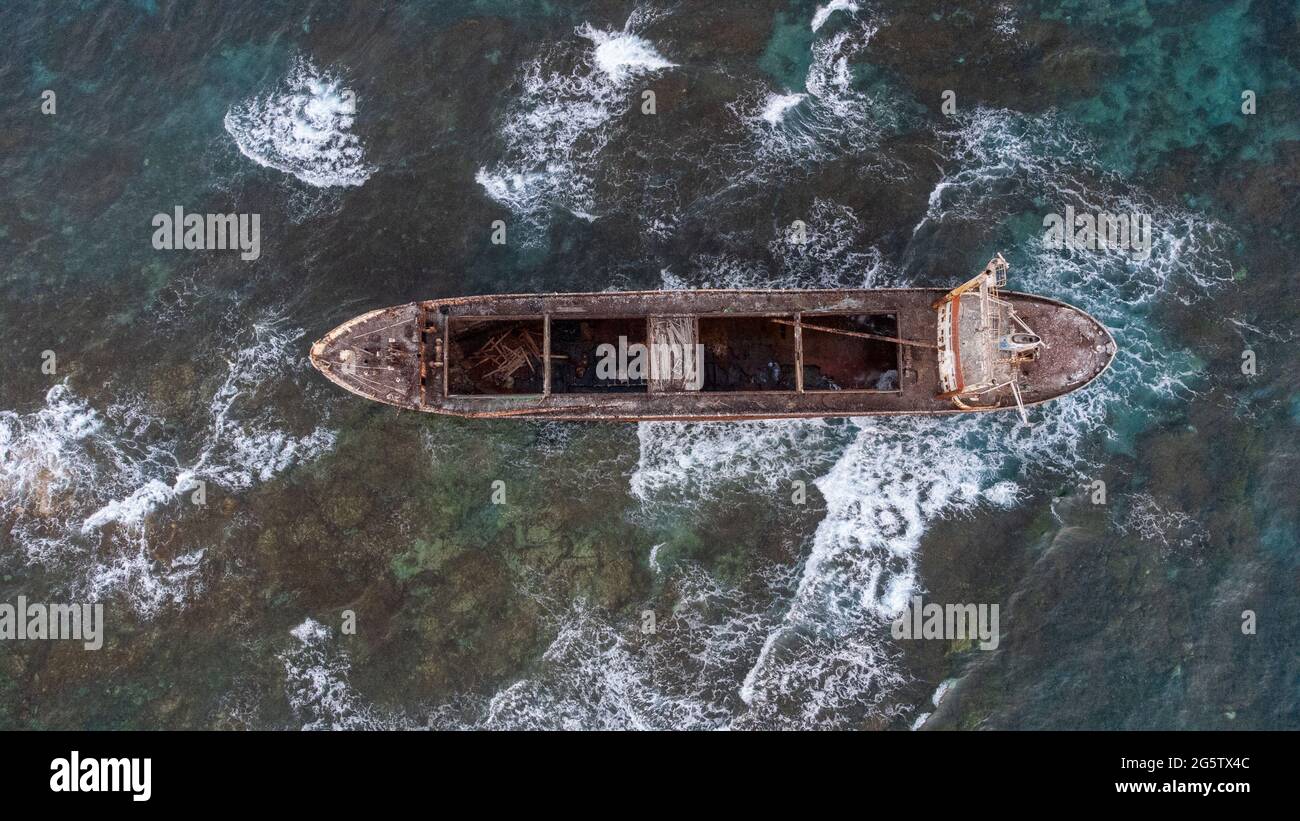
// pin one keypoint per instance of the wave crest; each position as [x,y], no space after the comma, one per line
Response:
[303,128]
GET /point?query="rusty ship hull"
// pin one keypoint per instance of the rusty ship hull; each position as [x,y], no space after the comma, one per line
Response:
[761,355]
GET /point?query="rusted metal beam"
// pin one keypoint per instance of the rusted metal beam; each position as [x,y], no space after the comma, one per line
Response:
[798,352]
[424,360]
[546,355]
[800,326]
[446,354]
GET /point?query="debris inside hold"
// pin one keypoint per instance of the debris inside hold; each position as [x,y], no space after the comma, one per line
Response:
[496,356]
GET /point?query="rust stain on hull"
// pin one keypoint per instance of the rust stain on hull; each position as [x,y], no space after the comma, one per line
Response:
[766,355]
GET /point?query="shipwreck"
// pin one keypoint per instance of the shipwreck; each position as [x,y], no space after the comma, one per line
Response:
[702,355]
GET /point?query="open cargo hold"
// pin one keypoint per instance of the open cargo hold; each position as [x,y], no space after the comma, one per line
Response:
[491,357]
[720,354]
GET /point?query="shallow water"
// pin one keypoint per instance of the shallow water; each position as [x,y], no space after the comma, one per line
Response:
[379,148]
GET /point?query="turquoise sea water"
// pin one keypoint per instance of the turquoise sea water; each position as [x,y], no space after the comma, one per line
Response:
[661,575]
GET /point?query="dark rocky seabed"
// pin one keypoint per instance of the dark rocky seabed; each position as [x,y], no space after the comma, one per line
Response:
[176,365]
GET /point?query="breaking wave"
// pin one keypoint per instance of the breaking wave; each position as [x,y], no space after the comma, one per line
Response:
[317,685]
[837,114]
[776,105]
[823,13]
[685,464]
[303,128]
[79,486]
[556,129]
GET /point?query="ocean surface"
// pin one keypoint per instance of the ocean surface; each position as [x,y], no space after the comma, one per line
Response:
[345,565]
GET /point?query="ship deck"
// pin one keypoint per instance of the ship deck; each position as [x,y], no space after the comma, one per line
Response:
[412,356]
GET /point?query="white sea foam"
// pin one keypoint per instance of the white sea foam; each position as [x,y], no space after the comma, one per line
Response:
[236,453]
[997,153]
[654,558]
[833,117]
[623,55]
[47,469]
[555,130]
[823,13]
[1177,534]
[318,688]
[598,674]
[1003,494]
[594,674]
[37,450]
[941,691]
[1006,23]
[132,509]
[79,486]
[69,470]
[717,271]
[684,463]
[831,657]
[777,105]
[244,448]
[303,128]
[833,254]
